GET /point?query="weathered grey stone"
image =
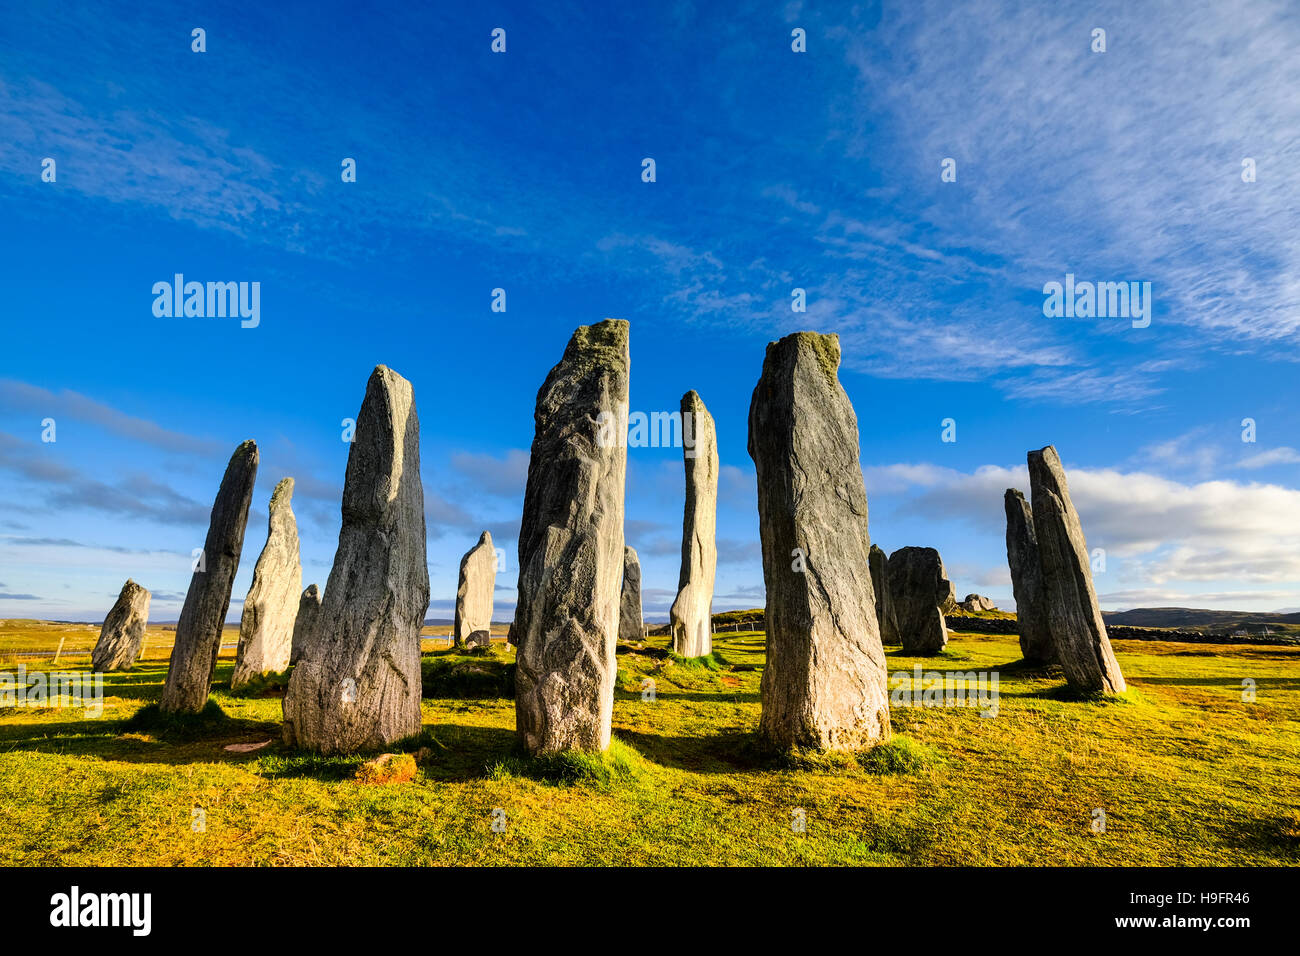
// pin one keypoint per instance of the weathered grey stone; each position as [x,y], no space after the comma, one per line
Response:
[691,616]
[571,547]
[1036,643]
[630,626]
[308,615]
[357,684]
[825,684]
[976,602]
[198,631]
[266,623]
[1073,614]
[918,587]
[879,563]
[475,593]
[118,647]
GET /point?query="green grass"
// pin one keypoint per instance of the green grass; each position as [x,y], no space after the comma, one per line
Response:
[1186,771]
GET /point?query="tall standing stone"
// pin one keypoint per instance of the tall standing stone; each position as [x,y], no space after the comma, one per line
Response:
[630,626]
[357,685]
[198,631]
[825,684]
[1036,643]
[118,647]
[571,547]
[918,586]
[691,615]
[879,564]
[1073,614]
[474,594]
[266,624]
[308,613]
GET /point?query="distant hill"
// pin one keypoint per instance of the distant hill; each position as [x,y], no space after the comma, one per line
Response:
[1187,618]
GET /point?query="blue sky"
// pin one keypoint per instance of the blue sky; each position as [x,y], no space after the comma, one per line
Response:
[775,170]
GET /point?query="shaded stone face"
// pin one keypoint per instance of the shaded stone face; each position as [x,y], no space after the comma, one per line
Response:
[630,627]
[825,684]
[122,635]
[691,615]
[266,624]
[357,684]
[571,548]
[879,563]
[918,587]
[308,612]
[475,593]
[1073,614]
[198,631]
[1036,643]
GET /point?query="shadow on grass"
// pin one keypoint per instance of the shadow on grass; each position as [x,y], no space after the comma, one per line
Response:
[724,752]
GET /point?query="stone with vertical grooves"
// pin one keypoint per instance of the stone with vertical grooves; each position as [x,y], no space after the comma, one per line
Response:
[629,609]
[691,616]
[198,631]
[1036,644]
[308,612]
[879,563]
[1073,614]
[357,684]
[825,683]
[918,588]
[122,635]
[571,547]
[474,594]
[267,621]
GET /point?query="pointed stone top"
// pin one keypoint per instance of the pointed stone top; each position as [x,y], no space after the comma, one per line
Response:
[1013,493]
[630,552]
[311,590]
[283,493]
[485,538]
[248,450]
[611,334]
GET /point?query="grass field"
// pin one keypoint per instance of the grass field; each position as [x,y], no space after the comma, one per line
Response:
[1185,771]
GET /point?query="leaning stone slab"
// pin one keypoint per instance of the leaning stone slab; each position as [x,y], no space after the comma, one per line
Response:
[266,623]
[357,684]
[630,626]
[198,631]
[825,684]
[571,548]
[308,612]
[691,616]
[1073,614]
[122,635]
[474,594]
[1036,645]
[918,587]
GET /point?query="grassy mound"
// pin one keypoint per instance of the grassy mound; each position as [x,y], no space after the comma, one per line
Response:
[152,719]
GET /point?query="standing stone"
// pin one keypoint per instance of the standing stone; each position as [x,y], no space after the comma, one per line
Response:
[918,586]
[879,564]
[571,547]
[308,613]
[474,594]
[825,684]
[1036,643]
[629,609]
[691,615]
[266,624]
[357,685]
[198,631]
[118,647]
[1073,615]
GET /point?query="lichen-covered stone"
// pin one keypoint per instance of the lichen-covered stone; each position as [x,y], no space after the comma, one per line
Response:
[266,623]
[1073,614]
[691,616]
[198,631]
[918,588]
[1036,645]
[357,684]
[308,613]
[571,547]
[122,635]
[825,683]
[475,593]
[630,625]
